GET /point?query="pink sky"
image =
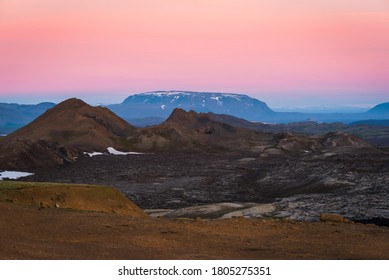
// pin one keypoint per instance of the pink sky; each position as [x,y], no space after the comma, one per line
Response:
[284,52]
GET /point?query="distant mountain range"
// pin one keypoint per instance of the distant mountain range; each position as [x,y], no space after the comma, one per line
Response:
[325,109]
[66,132]
[14,116]
[376,132]
[152,108]
[382,108]
[372,122]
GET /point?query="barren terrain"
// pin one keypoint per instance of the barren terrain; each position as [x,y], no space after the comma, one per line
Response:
[196,176]
[355,186]
[30,233]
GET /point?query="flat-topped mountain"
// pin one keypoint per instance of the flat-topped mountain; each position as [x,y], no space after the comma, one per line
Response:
[162,104]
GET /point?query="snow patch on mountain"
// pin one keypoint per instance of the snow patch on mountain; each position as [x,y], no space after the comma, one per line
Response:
[165,93]
[217,98]
[162,103]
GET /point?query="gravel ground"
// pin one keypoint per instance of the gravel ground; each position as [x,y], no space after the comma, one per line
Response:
[356,186]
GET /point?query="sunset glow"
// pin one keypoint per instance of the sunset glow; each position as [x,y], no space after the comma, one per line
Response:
[278,51]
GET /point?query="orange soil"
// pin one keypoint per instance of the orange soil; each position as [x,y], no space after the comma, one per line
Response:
[30,233]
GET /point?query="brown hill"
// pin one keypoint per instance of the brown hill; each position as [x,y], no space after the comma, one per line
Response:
[78,125]
[62,133]
[334,143]
[342,139]
[300,142]
[205,129]
[69,196]
[373,134]
[191,131]
[238,122]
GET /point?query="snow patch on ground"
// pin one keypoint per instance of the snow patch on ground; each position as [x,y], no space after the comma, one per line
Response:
[113,151]
[163,107]
[14,175]
[94,154]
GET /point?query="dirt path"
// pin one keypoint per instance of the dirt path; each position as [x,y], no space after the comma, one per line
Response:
[29,233]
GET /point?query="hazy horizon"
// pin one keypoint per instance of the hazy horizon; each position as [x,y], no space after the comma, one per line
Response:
[108,99]
[287,53]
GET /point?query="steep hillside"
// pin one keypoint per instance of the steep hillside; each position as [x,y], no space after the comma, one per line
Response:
[62,133]
[77,124]
[191,131]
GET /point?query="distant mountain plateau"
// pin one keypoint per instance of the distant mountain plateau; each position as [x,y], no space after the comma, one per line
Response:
[153,108]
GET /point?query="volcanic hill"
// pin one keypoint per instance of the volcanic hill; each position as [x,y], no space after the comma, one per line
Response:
[61,134]
[191,131]
[73,127]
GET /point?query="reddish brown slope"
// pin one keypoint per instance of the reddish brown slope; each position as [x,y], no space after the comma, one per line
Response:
[198,131]
[191,131]
[58,234]
[77,124]
[61,134]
